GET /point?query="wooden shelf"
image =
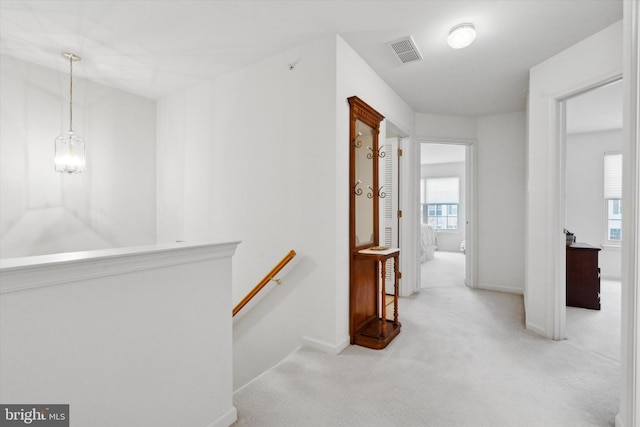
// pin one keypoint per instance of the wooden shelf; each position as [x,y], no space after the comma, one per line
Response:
[371,335]
[372,326]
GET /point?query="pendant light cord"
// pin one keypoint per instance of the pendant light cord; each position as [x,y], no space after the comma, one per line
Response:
[71,94]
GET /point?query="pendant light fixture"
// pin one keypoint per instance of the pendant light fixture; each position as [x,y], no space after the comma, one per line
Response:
[69,147]
[461,36]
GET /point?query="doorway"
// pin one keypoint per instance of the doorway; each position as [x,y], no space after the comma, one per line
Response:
[592,141]
[446,201]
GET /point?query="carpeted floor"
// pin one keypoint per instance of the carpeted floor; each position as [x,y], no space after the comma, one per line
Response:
[443,270]
[598,330]
[463,358]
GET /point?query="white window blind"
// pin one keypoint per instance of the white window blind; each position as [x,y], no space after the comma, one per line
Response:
[612,175]
[443,190]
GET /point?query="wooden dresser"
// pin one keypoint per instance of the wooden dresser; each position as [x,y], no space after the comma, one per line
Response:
[583,276]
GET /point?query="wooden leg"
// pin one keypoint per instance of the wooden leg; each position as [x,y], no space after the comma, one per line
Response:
[395,291]
[383,329]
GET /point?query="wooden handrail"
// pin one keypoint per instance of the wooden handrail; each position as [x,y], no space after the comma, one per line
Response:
[284,261]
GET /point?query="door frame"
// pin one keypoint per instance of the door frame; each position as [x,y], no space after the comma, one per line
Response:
[471,253]
[560,289]
[629,414]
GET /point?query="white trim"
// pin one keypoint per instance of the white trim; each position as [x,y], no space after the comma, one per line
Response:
[439,140]
[616,248]
[556,304]
[324,346]
[18,274]
[497,288]
[559,293]
[557,121]
[630,354]
[471,252]
[226,419]
[471,232]
[536,329]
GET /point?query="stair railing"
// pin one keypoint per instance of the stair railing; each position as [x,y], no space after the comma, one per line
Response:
[269,277]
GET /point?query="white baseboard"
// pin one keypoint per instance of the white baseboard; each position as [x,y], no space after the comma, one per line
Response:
[488,287]
[226,419]
[536,329]
[324,346]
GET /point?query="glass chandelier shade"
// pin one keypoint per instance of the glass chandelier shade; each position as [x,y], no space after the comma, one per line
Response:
[69,154]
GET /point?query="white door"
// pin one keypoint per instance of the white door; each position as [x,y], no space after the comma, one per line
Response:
[390,219]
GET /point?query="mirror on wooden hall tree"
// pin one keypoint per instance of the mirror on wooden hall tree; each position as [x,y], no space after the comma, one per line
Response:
[364,129]
[364,185]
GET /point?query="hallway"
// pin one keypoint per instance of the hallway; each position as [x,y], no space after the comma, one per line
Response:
[463,358]
[443,270]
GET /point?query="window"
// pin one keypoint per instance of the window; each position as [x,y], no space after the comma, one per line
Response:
[614,220]
[613,196]
[440,199]
[442,216]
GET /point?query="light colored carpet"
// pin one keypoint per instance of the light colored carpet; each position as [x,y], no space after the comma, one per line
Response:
[443,270]
[598,330]
[463,358]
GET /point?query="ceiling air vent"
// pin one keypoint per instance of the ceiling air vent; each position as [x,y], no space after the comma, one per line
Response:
[406,50]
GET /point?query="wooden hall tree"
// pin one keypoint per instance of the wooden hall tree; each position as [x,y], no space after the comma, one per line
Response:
[368,324]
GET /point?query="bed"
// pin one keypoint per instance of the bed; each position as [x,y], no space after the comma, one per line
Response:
[428,242]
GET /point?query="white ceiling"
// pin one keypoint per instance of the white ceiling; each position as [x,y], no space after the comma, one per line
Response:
[153,48]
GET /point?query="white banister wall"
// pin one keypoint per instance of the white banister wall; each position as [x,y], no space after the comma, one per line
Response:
[130,337]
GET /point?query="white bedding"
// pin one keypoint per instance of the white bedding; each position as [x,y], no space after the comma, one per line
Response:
[428,242]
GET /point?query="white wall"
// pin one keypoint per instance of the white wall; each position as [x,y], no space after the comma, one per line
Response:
[255,162]
[437,127]
[355,77]
[501,201]
[449,240]
[582,66]
[42,211]
[500,186]
[585,211]
[133,337]
[261,155]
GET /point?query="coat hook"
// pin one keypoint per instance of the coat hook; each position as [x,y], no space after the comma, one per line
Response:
[357,191]
[370,155]
[370,193]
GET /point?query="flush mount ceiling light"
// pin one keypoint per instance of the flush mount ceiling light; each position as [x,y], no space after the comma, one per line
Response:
[69,148]
[461,36]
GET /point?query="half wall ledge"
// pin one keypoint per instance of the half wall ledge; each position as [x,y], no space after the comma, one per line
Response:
[17,274]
